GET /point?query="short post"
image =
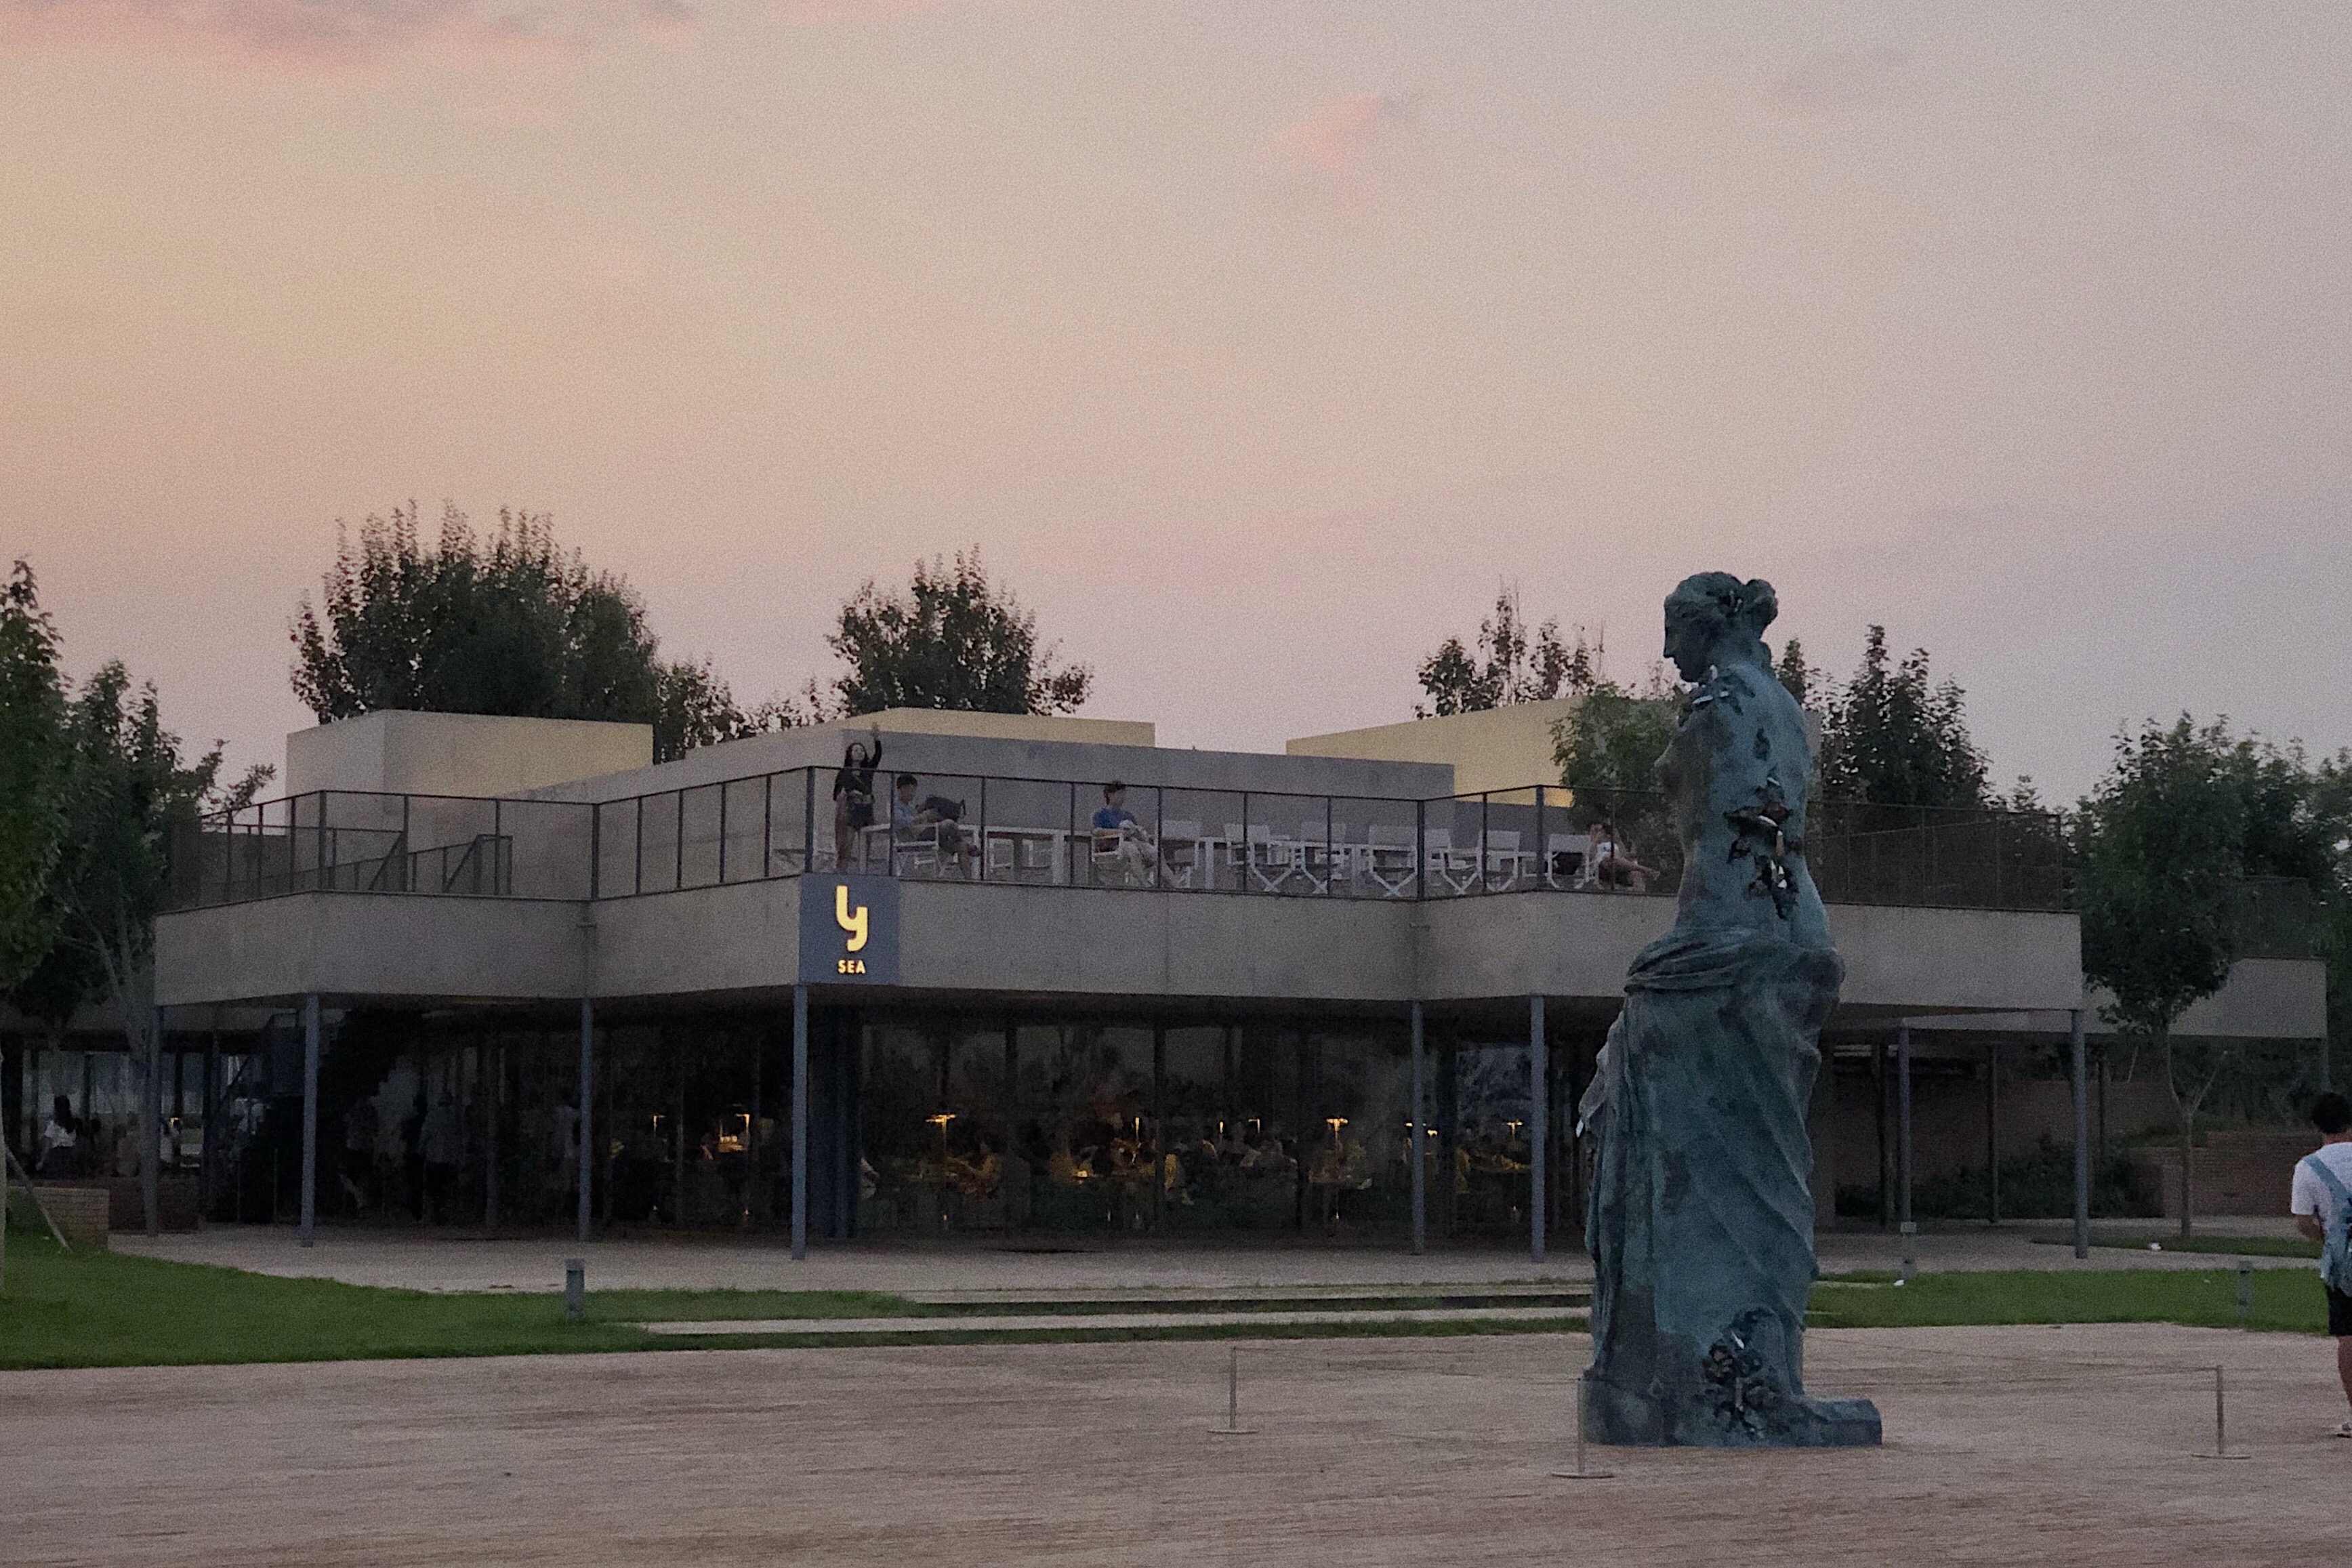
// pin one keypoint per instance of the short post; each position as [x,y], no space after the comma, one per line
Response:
[1579,1473]
[2221,1424]
[1233,1427]
[2246,1292]
[575,1288]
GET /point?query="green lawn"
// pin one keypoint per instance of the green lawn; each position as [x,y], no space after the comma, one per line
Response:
[2284,1299]
[105,1309]
[112,1310]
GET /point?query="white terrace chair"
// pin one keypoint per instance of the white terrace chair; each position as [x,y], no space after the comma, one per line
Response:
[1181,863]
[1499,853]
[1449,870]
[1270,861]
[1568,860]
[1321,847]
[1389,858]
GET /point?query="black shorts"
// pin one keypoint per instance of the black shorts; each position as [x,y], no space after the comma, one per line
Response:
[2339,1312]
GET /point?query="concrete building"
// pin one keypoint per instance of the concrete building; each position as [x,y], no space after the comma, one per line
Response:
[1235,1000]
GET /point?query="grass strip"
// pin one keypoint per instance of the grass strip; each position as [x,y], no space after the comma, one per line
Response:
[114,1309]
[2285,1300]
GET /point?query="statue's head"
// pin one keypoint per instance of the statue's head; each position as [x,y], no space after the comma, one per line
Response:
[1714,619]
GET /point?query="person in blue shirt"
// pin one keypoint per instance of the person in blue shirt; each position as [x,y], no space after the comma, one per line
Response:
[1135,846]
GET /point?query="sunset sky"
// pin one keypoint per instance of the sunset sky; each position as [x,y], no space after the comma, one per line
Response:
[1255,342]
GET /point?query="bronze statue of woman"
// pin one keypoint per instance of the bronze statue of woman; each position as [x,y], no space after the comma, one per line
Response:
[1701,1215]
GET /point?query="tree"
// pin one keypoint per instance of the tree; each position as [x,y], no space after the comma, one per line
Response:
[512,625]
[1608,750]
[122,791]
[2185,816]
[1510,665]
[953,640]
[32,710]
[1800,679]
[1895,735]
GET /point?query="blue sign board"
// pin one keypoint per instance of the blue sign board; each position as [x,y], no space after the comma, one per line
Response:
[849,931]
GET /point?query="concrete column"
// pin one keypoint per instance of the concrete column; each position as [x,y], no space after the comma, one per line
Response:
[2082,1082]
[1992,1133]
[310,1116]
[1539,1125]
[1419,1136]
[587,1111]
[1903,1127]
[151,1111]
[800,1121]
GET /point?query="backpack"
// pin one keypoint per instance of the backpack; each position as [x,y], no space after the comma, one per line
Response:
[2335,1252]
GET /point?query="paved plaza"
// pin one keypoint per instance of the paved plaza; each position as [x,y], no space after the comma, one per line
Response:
[973,1268]
[2074,1445]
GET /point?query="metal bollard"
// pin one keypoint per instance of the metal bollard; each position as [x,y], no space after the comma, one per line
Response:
[1233,1427]
[575,1288]
[2220,1425]
[2246,1292]
[1579,1473]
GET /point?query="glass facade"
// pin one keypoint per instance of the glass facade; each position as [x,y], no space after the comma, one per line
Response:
[923,1124]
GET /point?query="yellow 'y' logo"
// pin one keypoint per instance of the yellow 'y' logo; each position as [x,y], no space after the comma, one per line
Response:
[849,919]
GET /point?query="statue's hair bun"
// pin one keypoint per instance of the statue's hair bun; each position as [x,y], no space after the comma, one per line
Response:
[1756,607]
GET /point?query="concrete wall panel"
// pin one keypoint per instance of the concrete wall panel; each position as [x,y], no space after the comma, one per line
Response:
[359,944]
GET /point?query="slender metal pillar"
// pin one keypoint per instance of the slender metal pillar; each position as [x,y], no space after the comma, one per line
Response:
[490,1068]
[310,1116]
[587,1112]
[1417,1151]
[800,1121]
[2082,1135]
[1992,1134]
[151,1155]
[1902,1127]
[1539,1125]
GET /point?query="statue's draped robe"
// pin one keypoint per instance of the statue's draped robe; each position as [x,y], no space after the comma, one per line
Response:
[1701,1213]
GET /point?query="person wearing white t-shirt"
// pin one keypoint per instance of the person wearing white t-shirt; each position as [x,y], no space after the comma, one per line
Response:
[2318,1210]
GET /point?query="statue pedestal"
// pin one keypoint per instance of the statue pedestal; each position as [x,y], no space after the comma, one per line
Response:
[1706,1417]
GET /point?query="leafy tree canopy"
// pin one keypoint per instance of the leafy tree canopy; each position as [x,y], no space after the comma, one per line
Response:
[1894,734]
[2187,815]
[512,623]
[952,640]
[32,710]
[1512,664]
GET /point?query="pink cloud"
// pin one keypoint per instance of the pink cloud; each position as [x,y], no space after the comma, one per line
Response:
[1340,136]
[327,35]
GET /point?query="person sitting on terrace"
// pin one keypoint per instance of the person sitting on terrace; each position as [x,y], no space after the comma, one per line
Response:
[935,820]
[853,795]
[1614,865]
[1115,829]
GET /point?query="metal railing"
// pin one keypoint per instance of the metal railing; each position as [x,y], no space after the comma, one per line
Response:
[1065,833]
